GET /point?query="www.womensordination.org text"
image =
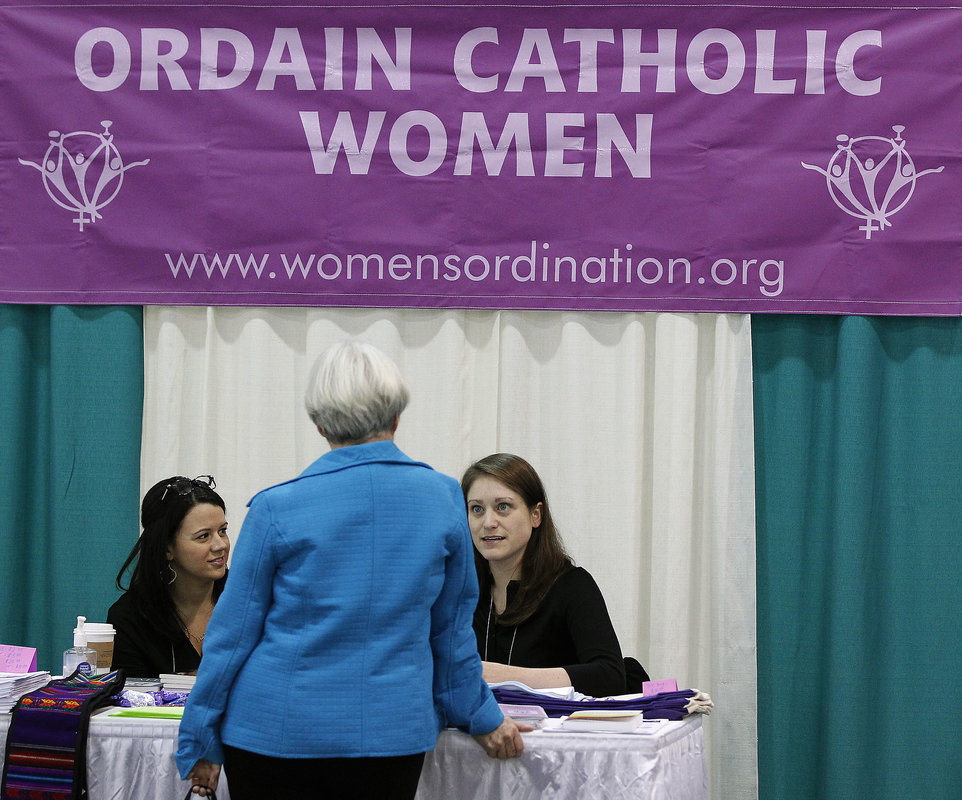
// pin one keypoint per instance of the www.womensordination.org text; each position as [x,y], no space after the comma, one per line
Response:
[538,265]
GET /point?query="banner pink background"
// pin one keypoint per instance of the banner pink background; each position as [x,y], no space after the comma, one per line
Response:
[774,159]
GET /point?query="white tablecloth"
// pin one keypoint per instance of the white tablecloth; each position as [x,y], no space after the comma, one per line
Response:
[133,760]
[668,765]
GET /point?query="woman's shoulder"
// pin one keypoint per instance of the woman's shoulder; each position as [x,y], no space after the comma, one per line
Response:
[122,604]
[125,609]
[574,579]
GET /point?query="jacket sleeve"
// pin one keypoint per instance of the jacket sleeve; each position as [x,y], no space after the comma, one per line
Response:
[600,671]
[463,698]
[233,632]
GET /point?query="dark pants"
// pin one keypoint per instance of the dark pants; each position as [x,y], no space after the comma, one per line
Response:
[252,776]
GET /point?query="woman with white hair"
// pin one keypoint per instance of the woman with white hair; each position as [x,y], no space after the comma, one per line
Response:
[343,641]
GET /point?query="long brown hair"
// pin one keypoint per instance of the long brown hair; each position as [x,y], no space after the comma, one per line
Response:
[544,558]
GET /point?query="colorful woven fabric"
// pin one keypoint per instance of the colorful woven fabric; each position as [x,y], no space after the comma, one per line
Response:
[46,747]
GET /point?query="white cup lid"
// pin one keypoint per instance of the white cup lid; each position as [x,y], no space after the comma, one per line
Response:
[97,627]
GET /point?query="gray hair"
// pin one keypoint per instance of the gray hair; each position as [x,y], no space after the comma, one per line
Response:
[354,392]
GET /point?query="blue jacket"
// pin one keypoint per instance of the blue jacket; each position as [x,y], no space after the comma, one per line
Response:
[345,627]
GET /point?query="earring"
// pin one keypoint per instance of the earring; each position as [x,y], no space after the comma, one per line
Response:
[173,574]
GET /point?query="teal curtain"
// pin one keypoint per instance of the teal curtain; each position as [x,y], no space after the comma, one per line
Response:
[859,539]
[70,418]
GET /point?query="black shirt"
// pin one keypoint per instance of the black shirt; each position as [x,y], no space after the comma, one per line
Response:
[141,649]
[570,629]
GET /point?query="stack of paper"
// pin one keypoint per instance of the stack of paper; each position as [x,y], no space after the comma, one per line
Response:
[14,685]
[143,684]
[178,683]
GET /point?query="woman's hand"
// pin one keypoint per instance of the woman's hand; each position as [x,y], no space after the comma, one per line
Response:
[203,777]
[504,741]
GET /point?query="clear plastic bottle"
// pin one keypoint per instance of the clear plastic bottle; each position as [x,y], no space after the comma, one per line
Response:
[79,656]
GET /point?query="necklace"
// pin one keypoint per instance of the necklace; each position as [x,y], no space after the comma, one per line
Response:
[183,624]
[487,635]
[191,636]
[197,639]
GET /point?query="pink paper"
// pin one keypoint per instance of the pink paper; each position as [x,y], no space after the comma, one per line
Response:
[17,659]
[649,688]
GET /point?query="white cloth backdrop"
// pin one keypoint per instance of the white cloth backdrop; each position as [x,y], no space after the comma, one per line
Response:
[639,424]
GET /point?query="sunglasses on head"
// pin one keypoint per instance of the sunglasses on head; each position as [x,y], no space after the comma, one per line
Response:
[183,486]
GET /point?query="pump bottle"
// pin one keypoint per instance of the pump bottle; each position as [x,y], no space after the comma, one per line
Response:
[79,656]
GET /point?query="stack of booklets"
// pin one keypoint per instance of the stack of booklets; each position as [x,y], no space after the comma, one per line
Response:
[14,685]
[178,683]
[143,684]
[610,721]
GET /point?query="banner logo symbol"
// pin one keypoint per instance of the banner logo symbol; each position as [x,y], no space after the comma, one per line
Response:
[83,171]
[871,178]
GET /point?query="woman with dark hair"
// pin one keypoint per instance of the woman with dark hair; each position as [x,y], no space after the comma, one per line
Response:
[180,567]
[540,620]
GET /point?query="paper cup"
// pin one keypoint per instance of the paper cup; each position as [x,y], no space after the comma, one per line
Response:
[100,637]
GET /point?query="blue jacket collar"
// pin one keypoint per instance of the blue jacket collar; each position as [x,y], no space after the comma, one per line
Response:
[385,452]
[372,452]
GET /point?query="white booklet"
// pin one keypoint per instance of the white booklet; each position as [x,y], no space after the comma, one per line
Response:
[609,721]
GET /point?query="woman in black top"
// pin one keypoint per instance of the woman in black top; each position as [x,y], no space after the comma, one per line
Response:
[180,566]
[540,620]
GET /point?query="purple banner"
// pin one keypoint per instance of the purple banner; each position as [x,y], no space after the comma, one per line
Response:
[714,158]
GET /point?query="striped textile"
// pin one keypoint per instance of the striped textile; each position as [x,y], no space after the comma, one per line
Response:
[46,746]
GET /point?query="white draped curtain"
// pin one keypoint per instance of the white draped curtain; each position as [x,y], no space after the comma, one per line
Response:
[640,426]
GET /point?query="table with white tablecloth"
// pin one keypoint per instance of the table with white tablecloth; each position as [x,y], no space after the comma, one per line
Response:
[667,765]
[133,759]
